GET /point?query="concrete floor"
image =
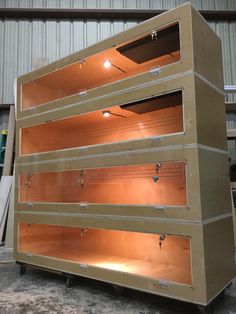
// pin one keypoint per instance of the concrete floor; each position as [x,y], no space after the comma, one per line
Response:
[42,292]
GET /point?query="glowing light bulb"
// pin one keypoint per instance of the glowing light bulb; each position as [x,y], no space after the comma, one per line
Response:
[106,114]
[106,64]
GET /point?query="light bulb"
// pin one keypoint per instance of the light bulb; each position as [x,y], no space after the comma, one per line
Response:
[106,64]
[106,114]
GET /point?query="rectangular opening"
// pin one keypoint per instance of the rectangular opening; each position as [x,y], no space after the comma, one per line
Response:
[145,184]
[156,116]
[154,49]
[125,251]
[157,44]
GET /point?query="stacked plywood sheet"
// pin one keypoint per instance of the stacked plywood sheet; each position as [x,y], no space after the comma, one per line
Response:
[5,190]
[122,170]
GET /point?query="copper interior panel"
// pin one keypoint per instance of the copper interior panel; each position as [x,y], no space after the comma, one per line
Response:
[131,252]
[113,185]
[78,76]
[93,128]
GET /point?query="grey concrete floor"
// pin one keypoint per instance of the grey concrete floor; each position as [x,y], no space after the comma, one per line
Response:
[38,291]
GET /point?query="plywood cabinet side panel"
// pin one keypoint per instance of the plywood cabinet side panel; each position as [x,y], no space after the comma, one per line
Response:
[210,114]
[214,184]
[198,264]
[17,97]
[219,256]
[207,51]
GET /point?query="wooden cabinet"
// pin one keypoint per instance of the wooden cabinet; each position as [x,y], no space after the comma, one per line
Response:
[122,171]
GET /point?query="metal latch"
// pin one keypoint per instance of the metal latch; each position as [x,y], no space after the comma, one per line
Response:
[27,182]
[154,35]
[156,177]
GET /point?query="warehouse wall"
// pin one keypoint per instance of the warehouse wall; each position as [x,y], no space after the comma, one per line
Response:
[26,43]
[4,116]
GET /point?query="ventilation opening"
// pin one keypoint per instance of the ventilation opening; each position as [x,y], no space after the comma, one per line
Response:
[155,45]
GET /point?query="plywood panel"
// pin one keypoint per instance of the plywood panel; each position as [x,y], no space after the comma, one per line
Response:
[210,115]
[219,255]
[214,184]
[5,188]
[10,218]
[8,158]
[207,51]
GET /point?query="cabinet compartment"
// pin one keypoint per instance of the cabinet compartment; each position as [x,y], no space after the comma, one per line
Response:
[161,115]
[130,252]
[146,184]
[130,58]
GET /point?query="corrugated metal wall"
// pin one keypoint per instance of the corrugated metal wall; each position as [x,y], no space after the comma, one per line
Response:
[22,43]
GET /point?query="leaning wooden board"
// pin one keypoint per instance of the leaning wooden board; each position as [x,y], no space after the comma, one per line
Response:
[5,189]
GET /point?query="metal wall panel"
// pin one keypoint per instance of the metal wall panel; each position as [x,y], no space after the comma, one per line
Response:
[10,60]
[38,41]
[231,124]
[128,4]
[24,62]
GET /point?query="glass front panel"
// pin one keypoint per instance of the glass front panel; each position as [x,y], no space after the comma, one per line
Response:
[156,116]
[145,184]
[154,49]
[157,256]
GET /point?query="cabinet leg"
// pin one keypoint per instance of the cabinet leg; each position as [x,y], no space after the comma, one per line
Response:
[117,290]
[221,295]
[22,269]
[204,309]
[69,281]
